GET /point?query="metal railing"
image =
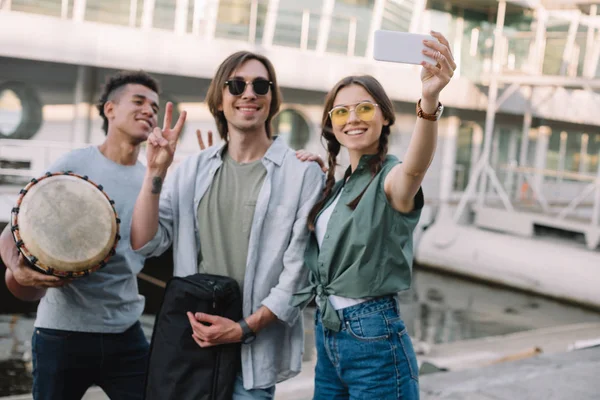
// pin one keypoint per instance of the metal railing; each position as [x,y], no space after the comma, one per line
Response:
[522,52]
[247,20]
[533,194]
[572,52]
[36,156]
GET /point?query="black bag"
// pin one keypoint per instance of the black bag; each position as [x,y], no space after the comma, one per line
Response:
[179,369]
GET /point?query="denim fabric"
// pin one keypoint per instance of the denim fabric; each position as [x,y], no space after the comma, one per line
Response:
[239,393]
[371,357]
[67,363]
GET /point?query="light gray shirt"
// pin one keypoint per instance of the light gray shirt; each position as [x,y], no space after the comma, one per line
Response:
[275,264]
[107,300]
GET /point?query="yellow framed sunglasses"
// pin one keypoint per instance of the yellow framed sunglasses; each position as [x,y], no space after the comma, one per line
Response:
[365,111]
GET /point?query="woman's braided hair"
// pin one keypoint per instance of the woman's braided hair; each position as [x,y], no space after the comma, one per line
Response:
[374,88]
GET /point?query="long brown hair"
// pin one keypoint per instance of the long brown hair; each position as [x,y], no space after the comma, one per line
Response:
[214,96]
[374,88]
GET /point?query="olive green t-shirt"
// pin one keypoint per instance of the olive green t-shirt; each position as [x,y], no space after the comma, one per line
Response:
[225,216]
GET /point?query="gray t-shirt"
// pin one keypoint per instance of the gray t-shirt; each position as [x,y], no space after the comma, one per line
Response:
[107,300]
[225,216]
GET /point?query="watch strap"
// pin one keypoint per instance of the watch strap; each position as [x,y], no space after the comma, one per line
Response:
[247,332]
[430,117]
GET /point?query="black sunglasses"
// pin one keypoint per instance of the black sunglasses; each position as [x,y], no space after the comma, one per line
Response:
[260,86]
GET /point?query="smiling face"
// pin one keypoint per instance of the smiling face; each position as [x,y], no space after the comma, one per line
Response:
[132,111]
[358,136]
[247,112]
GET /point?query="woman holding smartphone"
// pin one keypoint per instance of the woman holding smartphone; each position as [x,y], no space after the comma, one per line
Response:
[361,249]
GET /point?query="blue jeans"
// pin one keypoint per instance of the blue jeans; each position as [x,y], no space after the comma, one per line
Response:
[372,357]
[67,363]
[239,393]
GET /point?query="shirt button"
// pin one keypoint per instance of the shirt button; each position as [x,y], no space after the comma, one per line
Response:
[326,236]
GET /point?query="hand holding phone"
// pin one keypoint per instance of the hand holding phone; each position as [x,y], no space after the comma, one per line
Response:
[401,47]
[408,48]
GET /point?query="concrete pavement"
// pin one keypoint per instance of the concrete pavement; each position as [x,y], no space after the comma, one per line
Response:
[565,376]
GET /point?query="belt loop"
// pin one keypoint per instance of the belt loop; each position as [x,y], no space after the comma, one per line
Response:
[397,303]
[340,314]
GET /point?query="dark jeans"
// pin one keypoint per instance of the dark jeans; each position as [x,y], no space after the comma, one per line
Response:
[67,363]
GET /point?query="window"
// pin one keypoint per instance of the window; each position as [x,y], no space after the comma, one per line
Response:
[464,146]
[11,112]
[293,128]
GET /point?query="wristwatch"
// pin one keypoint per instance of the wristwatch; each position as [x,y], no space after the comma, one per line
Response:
[248,334]
[430,117]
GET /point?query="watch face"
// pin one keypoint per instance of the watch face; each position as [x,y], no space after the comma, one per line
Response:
[249,339]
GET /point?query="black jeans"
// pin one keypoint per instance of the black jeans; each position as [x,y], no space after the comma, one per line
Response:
[67,363]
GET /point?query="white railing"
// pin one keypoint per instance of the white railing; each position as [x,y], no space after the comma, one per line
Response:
[535,183]
[572,54]
[250,21]
[37,156]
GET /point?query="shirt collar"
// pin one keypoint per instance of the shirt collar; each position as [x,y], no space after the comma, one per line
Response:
[362,167]
[275,153]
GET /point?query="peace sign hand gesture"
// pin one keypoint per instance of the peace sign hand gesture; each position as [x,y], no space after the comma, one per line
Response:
[163,142]
[435,77]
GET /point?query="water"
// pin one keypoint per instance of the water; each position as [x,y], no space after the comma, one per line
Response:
[438,309]
[442,309]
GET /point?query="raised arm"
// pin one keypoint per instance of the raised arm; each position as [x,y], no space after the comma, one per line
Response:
[160,152]
[404,180]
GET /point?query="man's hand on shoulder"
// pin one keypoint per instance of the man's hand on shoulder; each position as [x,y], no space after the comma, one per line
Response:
[304,155]
[201,141]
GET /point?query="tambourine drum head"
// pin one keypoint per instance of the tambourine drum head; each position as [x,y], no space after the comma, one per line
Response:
[67,223]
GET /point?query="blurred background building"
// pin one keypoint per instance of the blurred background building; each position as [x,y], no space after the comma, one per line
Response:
[513,194]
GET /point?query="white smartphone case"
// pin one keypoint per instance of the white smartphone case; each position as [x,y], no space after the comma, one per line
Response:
[401,47]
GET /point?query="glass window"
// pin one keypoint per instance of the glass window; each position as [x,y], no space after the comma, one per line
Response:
[111,11]
[164,14]
[477,49]
[20,111]
[553,154]
[235,16]
[573,154]
[11,112]
[462,168]
[346,13]
[397,15]
[506,147]
[593,151]
[288,28]
[48,7]
[293,128]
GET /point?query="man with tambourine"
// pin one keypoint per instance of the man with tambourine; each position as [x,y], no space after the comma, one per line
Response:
[71,228]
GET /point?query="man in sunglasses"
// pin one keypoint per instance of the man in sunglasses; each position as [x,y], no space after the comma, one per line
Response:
[239,210]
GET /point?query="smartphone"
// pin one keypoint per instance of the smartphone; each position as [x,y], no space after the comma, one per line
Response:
[401,47]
